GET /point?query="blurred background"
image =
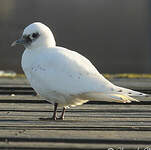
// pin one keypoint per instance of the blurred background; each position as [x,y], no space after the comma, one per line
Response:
[114,34]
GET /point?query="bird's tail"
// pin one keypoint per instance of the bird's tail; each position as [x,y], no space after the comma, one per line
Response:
[129,92]
[110,97]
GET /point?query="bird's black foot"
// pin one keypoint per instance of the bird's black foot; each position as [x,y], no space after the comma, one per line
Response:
[60,118]
[47,119]
[54,117]
[51,119]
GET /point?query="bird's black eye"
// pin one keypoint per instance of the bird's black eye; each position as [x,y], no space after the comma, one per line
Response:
[35,35]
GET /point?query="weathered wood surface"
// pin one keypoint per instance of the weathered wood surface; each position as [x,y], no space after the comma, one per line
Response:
[95,125]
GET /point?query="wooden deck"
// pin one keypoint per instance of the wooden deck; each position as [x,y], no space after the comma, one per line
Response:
[95,125]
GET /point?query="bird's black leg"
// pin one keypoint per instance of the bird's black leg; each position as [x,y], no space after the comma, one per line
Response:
[54,117]
[62,114]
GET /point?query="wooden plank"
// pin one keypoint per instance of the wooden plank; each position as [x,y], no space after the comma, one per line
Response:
[95,125]
[137,84]
[37,99]
[27,115]
[69,146]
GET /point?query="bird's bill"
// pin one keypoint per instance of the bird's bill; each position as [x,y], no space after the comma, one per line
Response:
[19,41]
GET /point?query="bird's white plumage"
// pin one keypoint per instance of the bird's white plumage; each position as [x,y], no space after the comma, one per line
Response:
[65,77]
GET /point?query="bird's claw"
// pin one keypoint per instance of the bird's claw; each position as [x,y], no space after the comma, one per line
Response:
[50,119]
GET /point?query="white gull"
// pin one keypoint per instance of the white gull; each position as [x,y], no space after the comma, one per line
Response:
[64,77]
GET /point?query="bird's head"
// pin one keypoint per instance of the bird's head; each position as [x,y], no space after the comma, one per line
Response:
[36,35]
